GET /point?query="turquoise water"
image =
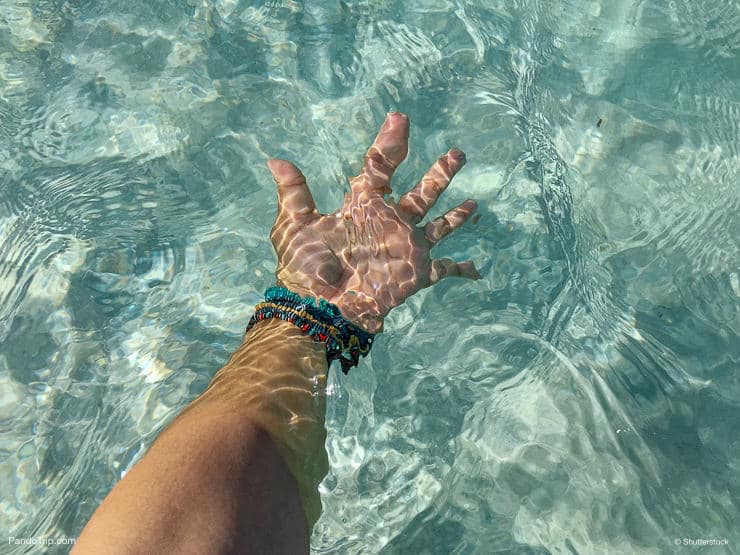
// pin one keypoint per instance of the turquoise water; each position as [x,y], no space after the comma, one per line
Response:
[581,398]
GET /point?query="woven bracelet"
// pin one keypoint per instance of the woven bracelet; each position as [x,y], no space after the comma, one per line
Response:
[319,319]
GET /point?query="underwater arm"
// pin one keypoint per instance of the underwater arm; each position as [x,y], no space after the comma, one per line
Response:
[238,470]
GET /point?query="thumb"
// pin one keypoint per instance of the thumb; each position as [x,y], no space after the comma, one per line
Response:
[294,196]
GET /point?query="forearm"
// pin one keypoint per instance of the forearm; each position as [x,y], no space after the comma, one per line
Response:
[277,379]
[239,466]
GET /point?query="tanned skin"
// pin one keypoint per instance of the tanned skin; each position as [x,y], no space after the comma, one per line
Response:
[238,470]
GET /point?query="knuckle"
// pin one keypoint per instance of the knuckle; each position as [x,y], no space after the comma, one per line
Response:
[376,158]
[434,186]
[443,162]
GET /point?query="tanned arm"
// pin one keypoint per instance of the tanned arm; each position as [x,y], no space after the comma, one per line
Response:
[238,470]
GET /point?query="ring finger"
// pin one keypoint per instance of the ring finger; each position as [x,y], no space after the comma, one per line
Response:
[417,202]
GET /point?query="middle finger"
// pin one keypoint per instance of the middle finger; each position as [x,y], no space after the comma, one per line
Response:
[386,153]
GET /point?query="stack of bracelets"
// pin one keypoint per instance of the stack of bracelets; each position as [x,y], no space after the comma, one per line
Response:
[321,320]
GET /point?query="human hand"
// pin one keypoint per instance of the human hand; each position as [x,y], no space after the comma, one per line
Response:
[369,256]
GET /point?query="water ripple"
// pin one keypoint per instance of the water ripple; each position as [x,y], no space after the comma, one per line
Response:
[582,397]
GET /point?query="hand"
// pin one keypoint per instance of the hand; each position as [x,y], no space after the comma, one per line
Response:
[369,256]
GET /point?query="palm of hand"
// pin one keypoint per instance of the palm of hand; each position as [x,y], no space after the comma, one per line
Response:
[368,256]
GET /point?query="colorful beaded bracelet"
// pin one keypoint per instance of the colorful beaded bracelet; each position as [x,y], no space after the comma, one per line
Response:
[321,320]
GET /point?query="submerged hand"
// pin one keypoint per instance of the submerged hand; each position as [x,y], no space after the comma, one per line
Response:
[368,256]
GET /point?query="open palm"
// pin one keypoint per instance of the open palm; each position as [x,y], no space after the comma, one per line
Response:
[370,255]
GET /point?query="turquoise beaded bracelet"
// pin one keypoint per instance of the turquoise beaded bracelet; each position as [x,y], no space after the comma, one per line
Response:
[319,319]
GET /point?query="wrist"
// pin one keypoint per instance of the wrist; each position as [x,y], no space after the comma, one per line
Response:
[357,309]
[360,311]
[321,320]
[277,336]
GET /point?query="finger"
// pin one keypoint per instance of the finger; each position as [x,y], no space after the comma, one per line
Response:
[449,222]
[294,196]
[417,202]
[386,153]
[445,267]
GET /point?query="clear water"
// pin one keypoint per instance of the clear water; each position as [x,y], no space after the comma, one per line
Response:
[581,398]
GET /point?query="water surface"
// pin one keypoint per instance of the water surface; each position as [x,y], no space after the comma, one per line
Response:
[581,398]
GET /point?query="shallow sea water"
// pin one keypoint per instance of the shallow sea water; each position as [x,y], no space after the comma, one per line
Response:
[582,398]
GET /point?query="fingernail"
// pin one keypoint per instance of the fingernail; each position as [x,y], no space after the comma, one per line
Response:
[400,114]
[458,155]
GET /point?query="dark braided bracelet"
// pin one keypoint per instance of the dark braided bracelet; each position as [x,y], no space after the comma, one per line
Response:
[319,319]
